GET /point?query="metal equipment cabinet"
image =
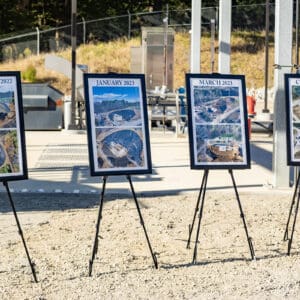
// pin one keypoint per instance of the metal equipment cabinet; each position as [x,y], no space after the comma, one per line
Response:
[42,106]
[155,57]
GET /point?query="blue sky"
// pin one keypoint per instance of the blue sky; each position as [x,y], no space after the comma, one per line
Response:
[115,93]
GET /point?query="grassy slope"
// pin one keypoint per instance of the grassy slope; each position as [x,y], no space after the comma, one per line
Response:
[247,58]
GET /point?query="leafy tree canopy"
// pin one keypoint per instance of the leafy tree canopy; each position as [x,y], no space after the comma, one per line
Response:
[18,15]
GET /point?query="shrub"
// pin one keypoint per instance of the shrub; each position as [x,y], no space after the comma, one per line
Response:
[29,74]
[27,52]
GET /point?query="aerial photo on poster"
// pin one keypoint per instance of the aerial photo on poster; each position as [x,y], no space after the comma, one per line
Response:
[7,109]
[296,103]
[120,148]
[217,104]
[9,148]
[118,129]
[219,143]
[295,119]
[9,156]
[117,106]
[218,128]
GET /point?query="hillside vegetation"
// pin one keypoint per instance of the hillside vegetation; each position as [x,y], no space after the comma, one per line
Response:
[247,58]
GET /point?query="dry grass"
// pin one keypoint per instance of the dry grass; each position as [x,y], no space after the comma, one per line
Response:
[247,58]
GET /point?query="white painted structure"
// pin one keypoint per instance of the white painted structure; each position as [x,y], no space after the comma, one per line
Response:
[224,36]
[195,36]
[283,61]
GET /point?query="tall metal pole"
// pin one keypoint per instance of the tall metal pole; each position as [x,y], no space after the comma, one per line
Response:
[166,23]
[74,45]
[212,44]
[266,110]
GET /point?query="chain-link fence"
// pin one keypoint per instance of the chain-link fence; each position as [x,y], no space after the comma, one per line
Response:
[244,17]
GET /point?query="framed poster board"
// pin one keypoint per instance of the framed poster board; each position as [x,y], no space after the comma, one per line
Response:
[217,119]
[13,163]
[292,90]
[117,124]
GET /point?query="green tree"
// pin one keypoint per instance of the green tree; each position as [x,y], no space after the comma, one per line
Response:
[27,14]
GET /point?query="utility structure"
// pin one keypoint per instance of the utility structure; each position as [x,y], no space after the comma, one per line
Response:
[224,36]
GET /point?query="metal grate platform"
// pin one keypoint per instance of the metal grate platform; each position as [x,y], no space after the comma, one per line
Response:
[63,155]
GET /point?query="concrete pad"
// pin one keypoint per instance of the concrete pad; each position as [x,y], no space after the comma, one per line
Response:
[58,163]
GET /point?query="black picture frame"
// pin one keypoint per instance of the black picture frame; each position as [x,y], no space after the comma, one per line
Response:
[117,124]
[13,161]
[292,95]
[217,121]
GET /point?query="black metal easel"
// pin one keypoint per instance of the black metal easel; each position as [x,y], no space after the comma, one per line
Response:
[286,233]
[20,230]
[201,198]
[96,241]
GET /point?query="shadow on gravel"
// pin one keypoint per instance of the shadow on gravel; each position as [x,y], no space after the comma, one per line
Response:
[261,157]
[51,201]
[220,261]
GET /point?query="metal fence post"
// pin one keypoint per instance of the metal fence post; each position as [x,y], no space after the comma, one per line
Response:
[129,25]
[37,41]
[83,30]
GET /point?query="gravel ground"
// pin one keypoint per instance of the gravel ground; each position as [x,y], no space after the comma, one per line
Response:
[59,231]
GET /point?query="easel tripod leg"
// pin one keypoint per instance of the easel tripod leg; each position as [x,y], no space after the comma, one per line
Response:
[20,231]
[142,222]
[191,226]
[294,224]
[200,218]
[96,240]
[286,233]
[242,216]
